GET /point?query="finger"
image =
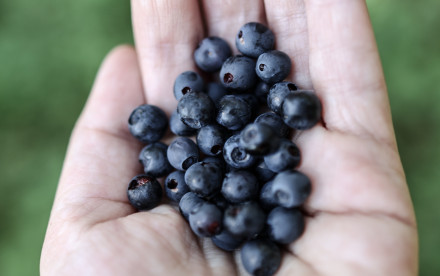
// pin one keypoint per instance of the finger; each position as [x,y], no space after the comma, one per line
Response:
[102,154]
[288,21]
[224,18]
[346,70]
[166,33]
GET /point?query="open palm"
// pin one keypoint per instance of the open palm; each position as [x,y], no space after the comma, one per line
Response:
[360,218]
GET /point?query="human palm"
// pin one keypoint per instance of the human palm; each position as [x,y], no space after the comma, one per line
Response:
[359,216]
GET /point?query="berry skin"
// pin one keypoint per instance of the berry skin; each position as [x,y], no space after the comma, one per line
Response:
[186,82]
[144,192]
[287,156]
[275,122]
[196,109]
[178,127]
[215,91]
[211,53]
[277,93]
[263,173]
[204,179]
[206,221]
[189,203]
[235,155]
[261,257]
[217,160]
[239,186]
[226,241]
[211,139]
[154,159]
[234,113]
[245,220]
[261,91]
[267,198]
[258,139]
[273,66]
[175,186]
[252,101]
[182,153]
[301,110]
[290,189]
[148,123]
[253,39]
[285,225]
[238,73]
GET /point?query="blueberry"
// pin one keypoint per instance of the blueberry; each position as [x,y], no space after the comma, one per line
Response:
[239,186]
[206,221]
[215,91]
[258,139]
[211,53]
[154,159]
[234,113]
[211,139]
[189,203]
[277,93]
[287,156]
[196,109]
[144,192]
[217,160]
[178,127]
[290,189]
[267,197]
[148,123]
[175,186]
[186,82]
[254,38]
[220,201]
[301,110]
[238,73]
[245,220]
[261,91]
[285,225]
[261,257]
[263,173]
[252,101]
[182,153]
[275,122]
[235,155]
[204,179]
[227,241]
[273,66]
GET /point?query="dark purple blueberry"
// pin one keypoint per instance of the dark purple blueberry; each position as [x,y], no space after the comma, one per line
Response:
[189,203]
[287,156]
[196,109]
[261,91]
[227,241]
[285,225]
[245,220]
[238,73]
[234,113]
[153,158]
[263,173]
[277,93]
[148,123]
[204,179]
[215,91]
[206,221]
[258,139]
[182,153]
[275,122]
[178,127]
[144,192]
[239,186]
[254,38]
[217,160]
[211,139]
[261,257]
[273,66]
[175,186]
[252,101]
[267,198]
[235,155]
[220,201]
[186,82]
[301,110]
[211,53]
[290,189]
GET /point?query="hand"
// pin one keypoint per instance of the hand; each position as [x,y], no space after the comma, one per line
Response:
[361,220]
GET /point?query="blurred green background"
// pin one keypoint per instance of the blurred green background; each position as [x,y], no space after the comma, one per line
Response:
[51,50]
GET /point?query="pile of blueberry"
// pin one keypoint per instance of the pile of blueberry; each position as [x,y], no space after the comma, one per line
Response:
[236,184]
